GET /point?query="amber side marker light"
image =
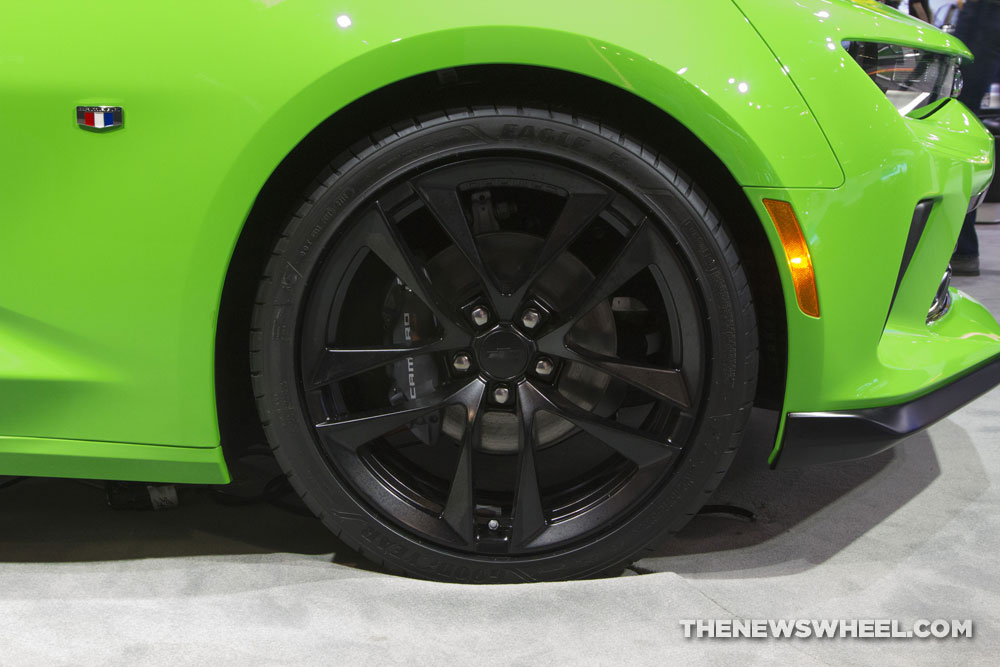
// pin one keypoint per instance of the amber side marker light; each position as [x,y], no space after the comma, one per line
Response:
[797,254]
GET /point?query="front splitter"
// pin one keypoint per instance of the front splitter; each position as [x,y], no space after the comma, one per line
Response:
[825,437]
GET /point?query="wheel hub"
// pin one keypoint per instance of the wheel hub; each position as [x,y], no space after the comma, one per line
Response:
[504,253]
[503,353]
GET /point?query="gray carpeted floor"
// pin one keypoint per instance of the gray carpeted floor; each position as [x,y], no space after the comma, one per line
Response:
[906,535]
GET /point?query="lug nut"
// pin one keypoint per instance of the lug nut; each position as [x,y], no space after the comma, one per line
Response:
[501,394]
[544,367]
[493,524]
[480,316]
[461,362]
[530,318]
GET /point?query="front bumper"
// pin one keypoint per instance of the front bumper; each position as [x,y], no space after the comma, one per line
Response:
[824,437]
[878,264]
[878,270]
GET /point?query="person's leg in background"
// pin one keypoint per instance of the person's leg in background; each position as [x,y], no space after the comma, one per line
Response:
[921,9]
[979,28]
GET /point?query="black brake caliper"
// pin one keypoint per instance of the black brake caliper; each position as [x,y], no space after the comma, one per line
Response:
[413,377]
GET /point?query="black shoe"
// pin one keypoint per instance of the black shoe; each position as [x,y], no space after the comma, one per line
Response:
[965,265]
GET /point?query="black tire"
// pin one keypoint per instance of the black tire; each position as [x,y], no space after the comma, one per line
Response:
[640,443]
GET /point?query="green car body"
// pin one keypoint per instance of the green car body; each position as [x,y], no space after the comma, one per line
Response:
[116,246]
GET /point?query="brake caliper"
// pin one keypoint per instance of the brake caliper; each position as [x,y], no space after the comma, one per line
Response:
[413,377]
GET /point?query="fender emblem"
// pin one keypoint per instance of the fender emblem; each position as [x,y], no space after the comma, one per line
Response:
[99,118]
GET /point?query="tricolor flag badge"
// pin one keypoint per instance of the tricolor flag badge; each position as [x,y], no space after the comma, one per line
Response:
[99,118]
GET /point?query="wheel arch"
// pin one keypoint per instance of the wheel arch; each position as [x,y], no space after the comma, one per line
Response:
[454,87]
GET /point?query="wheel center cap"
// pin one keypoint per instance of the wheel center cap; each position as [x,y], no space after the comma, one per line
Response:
[503,353]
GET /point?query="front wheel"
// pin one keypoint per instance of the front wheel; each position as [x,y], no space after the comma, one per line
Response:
[507,344]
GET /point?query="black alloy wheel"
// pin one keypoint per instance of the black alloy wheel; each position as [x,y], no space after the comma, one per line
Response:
[504,345]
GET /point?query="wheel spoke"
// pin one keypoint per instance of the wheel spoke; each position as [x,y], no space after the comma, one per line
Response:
[627,441]
[666,384]
[441,196]
[580,210]
[528,520]
[637,254]
[382,238]
[356,430]
[460,508]
[336,364]
[639,251]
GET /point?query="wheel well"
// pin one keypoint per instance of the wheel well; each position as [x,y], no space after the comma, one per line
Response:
[238,421]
